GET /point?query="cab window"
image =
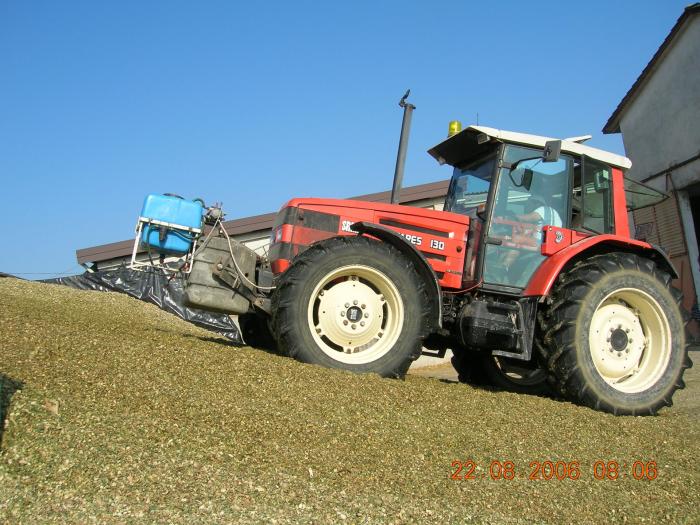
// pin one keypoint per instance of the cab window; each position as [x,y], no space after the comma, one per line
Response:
[531,194]
[592,197]
[469,187]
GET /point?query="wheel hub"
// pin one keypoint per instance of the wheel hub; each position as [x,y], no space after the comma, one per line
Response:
[629,340]
[618,339]
[350,314]
[356,314]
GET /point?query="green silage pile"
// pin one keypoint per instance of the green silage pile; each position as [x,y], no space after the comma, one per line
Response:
[122,413]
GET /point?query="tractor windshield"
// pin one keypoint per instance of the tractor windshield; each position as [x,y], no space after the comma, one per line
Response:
[469,187]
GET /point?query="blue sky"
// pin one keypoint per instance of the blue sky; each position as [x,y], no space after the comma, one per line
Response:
[254,103]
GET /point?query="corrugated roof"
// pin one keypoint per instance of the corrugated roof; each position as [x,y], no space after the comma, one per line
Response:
[254,223]
[613,124]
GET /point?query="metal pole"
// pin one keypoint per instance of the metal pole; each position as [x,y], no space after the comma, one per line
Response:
[403,145]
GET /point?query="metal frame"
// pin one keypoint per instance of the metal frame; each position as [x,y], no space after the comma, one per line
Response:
[137,265]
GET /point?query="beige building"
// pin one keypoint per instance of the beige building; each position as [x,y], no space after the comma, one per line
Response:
[659,119]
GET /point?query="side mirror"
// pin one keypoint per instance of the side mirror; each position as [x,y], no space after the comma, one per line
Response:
[552,150]
[526,177]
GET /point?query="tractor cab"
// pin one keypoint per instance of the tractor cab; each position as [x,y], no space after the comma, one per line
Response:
[519,189]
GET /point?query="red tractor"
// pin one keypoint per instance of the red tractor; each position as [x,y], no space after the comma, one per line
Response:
[529,275]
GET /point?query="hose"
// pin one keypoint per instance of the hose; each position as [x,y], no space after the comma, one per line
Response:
[233,258]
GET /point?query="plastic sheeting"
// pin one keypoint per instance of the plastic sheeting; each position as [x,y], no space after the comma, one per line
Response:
[156,287]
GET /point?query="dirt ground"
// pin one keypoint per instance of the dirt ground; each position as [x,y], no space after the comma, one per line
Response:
[116,412]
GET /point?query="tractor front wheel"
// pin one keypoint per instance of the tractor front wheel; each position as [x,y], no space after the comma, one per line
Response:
[351,303]
[613,335]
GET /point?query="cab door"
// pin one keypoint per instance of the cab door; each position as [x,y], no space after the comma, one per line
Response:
[534,194]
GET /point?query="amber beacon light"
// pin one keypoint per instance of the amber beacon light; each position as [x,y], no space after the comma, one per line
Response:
[454,128]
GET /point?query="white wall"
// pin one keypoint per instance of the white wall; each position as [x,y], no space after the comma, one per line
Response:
[661,128]
[661,125]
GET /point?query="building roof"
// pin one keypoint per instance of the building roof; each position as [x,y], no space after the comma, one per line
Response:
[263,222]
[471,141]
[613,124]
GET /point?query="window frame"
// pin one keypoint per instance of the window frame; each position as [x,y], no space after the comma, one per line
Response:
[608,204]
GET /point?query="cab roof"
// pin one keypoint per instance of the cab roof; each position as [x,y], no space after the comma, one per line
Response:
[474,141]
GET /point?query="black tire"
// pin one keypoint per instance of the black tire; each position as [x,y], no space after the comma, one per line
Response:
[351,271]
[514,375]
[256,331]
[511,375]
[606,300]
[469,367]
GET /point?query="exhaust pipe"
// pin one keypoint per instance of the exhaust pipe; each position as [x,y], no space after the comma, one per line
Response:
[403,145]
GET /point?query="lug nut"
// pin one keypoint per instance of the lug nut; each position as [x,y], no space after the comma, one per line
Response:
[366,314]
[362,323]
[363,306]
[342,314]
[345,322]
[354,302]
[347,305]
[353,326]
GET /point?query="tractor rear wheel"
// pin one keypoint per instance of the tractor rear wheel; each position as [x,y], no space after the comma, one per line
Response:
[351,303]
[613,335]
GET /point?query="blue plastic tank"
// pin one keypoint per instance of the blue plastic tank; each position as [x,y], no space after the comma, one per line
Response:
[180,214]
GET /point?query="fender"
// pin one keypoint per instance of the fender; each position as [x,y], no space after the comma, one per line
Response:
[543,279]
[421,265]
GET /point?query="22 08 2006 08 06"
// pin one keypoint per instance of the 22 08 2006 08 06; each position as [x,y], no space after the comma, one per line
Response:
[547,470]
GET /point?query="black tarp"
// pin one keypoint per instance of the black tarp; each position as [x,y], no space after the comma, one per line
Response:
[153,286]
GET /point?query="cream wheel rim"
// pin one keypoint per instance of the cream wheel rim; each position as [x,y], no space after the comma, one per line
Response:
[355,314]
[630,340]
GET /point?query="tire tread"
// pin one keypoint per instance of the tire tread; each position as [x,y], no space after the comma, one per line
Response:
[555,336]
[284,300]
